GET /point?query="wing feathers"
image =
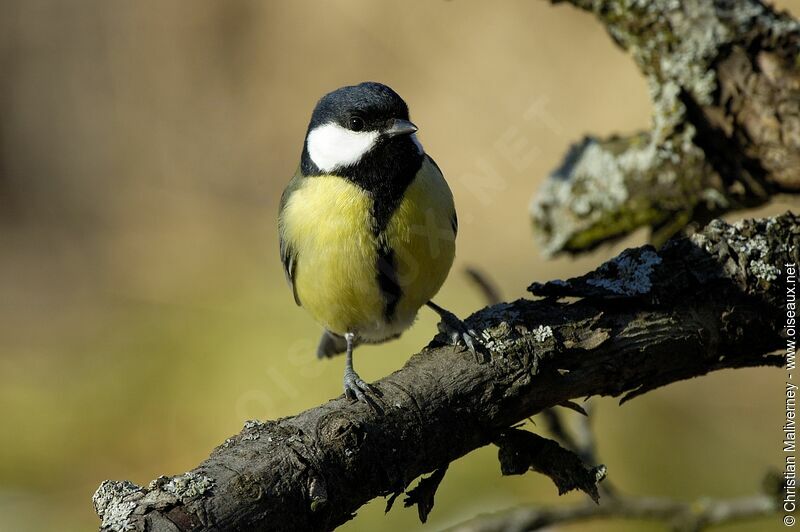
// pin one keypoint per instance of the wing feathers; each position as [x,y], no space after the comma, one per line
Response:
[288,254]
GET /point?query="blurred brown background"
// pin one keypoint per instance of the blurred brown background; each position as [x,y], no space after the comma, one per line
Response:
[143,312]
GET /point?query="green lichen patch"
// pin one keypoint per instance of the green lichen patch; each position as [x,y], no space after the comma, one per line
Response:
[188,486]
[751,251]
[110,504]
[606,188]
[629,274]
[542,333]
[663,178]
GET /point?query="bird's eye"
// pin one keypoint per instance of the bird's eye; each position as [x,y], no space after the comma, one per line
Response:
[356,123]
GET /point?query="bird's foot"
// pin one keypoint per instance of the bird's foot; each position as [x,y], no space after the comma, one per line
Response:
[356,389]
[457,331]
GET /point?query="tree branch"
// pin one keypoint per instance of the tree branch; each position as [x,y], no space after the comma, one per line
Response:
[725,84]
[646,319]
[681,516]
[684,516]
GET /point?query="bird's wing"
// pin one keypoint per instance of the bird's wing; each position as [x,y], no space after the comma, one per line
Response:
[453,215]
[288,253]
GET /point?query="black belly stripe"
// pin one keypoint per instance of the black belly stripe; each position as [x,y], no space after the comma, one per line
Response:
[387,280]
[384,174]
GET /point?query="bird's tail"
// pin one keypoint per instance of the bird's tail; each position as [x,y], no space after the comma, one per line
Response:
[330,345]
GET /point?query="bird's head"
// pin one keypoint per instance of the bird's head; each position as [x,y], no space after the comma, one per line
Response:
[351,122]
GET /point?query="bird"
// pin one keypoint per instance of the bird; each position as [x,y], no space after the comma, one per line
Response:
[367,227]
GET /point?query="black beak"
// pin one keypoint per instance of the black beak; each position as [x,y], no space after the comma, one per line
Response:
[398,126]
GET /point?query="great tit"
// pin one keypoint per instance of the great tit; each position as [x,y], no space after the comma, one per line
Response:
[367,226]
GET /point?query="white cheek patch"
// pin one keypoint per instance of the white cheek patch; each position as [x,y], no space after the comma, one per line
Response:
[331,146]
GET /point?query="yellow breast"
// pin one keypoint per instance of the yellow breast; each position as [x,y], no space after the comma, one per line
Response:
[422,234]
[327,221]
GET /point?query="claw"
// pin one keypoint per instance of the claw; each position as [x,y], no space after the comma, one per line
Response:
[457,331]
[357,390]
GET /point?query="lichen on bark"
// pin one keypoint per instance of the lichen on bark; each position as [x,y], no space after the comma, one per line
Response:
[724,79]
[696,305]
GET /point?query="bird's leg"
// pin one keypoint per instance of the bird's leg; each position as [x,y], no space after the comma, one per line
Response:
[455,329]
[354,387]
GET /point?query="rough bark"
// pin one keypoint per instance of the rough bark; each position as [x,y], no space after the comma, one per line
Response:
[724,78]
[645,319]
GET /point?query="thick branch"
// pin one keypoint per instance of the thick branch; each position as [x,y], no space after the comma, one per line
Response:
[725,84]
[647,319]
